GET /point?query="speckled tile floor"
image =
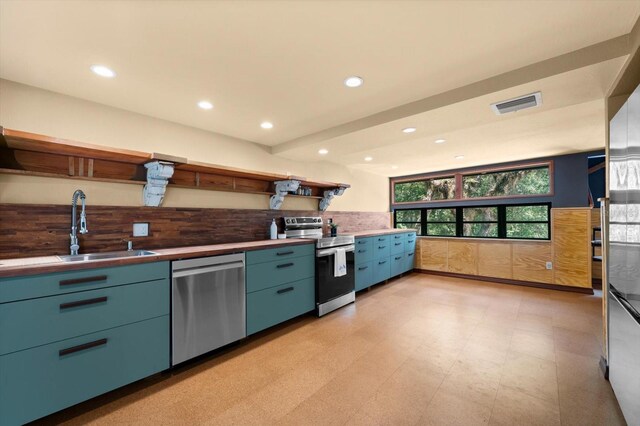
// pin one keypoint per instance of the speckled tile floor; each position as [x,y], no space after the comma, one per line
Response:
[420,349]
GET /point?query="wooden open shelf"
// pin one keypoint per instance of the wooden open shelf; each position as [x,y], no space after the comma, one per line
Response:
[24,153]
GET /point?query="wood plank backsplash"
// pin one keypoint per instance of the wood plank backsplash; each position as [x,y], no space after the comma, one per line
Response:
[28,230]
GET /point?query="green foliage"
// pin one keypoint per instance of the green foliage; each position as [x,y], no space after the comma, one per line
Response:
[426,190]
[512,182]
[527,230]
[441,215]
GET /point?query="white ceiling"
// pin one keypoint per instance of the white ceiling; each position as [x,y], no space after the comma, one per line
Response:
[285,62]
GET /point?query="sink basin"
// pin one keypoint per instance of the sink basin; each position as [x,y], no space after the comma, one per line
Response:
[108,255]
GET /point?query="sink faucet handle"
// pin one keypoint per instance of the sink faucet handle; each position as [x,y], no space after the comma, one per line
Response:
[83,223]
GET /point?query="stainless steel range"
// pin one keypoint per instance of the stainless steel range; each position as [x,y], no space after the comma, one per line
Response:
[335,273]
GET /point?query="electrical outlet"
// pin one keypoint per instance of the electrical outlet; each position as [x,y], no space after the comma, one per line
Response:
[141,229]
[549,265]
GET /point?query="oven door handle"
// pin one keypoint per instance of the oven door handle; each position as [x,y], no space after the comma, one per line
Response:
[332,251]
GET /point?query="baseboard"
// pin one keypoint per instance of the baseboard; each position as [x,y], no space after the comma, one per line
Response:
[508,281]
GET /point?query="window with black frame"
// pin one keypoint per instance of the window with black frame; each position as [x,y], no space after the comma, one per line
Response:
[480,222]
[409,219]
[441,222]
[516,221]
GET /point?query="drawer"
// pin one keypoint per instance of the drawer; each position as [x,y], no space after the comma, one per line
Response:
[272,306]
[397,264]
[36,322]
[410,242]
[363,250]
[381,246]
[270,274]
[40,381]
[280,253]
[381,270]
[397,243]
[409,259]
[364,275]
[20,288]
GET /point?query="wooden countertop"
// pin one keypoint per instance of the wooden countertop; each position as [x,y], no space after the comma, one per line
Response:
[48,264]
[377,232]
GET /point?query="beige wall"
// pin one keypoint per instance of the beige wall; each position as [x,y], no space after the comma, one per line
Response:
[34,110]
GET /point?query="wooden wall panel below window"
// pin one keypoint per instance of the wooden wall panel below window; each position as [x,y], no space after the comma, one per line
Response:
[519,260]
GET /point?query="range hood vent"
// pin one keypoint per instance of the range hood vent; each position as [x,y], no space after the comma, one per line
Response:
[513,105]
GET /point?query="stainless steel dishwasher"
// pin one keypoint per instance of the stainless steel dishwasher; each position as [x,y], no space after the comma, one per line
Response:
[208,304]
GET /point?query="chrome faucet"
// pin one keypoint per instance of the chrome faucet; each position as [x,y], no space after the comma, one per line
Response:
[74,247]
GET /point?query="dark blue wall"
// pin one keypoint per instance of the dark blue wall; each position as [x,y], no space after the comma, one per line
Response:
[571,184]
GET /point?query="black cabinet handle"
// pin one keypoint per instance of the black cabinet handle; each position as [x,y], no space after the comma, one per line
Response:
[82,347]
[285,265]
[380,263]
[85,302]
[361,251]
[397,236]
[399,257]
[381,247]
[410,242]
[380,239]
[362,268]
[398,244]
[361,242]
[285,290]
[284,253]
[84,280]
[410,254]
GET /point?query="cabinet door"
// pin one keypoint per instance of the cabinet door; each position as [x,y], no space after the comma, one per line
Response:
[409,259]
[396,243]
[364,275]
[45,379]
[410,242]
[270,274]
[397,264]
[381,269]
[381,248]
[272,306]
[364,250]
[280,253]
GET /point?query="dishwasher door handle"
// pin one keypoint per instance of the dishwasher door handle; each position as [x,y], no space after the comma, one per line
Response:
[207,269]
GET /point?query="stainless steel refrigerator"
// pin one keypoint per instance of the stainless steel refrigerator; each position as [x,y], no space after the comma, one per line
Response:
[624,258]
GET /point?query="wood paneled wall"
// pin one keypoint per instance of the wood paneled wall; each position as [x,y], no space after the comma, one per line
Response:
[40,230]
[569,250]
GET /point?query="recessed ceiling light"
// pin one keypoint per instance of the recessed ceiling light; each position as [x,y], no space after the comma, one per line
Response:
[323,151]
[394,167]
[409,129]
[353,81]
[459,157]
[205,104]
[103,71]
[266,125]
[440,140]
[368,158]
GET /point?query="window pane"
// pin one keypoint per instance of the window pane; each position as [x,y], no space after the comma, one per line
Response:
[480,230]
[511,182]
[441,229]
[441,215]
[527,230]
[412,226]
[408,215]
[527,213]
[480,214]
[425,190]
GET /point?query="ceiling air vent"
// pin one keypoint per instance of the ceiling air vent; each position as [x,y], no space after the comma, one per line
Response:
[522,102]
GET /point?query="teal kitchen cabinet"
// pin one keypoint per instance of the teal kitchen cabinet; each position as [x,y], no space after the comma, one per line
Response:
[266,308]
[397,243]
[381,269]
[381,248]
[397,264]
[280,285]
[70,336]
[409,260]
[364,275]
[409,242]
[363,250]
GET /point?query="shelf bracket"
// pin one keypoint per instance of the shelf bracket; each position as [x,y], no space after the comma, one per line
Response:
[158,174]
[283,187]
[328,196]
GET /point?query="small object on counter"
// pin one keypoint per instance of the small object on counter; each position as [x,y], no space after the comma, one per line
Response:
[282,236]
[334,228]
[274,230]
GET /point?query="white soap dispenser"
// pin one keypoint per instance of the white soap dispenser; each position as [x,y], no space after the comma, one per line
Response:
[274,230]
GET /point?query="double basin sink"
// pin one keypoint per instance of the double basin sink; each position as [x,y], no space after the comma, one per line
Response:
[107,255]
